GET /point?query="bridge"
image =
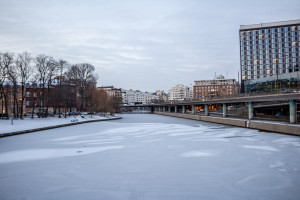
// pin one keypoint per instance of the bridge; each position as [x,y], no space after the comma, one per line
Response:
[290,99]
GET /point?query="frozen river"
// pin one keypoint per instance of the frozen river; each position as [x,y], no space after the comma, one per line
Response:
[150,157]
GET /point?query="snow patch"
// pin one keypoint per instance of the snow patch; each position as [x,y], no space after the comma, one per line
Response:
[198,154]
[265,148]
[41,154]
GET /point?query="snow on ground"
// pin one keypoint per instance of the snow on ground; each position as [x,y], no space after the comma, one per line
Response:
[28,123]
[149,157]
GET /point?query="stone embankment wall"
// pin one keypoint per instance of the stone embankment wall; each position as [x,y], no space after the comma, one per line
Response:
[293,129]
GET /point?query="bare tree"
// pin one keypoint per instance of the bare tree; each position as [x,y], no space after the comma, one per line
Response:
[61,68]
[13,78]
[41,75]
[3,78]
[82,75]
[51,70]
[7,63]
[24,70]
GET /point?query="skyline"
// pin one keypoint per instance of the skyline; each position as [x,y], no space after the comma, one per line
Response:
[139,45]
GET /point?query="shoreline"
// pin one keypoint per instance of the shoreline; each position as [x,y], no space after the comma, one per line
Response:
[54,126]
[277,127]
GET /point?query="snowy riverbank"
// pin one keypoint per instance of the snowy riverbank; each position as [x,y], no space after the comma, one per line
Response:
[28,123]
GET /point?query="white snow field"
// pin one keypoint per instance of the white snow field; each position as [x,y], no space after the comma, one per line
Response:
[27,123]
[146,157]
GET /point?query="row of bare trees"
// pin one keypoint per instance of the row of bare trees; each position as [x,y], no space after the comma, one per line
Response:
[74,84]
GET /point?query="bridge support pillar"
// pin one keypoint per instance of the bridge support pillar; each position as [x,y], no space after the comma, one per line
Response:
[224,110]
[206,110]
[183,109]
[160,108]
[175,109]
[250,110]
[164,108]
[193,109]
[293,116]
[169,108]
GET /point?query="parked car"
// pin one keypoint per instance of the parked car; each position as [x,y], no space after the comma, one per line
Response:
[289,91]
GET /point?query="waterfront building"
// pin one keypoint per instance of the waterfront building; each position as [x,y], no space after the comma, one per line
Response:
[269,56]
[161,96]
[218,87]
[111,91]
[137,97]
[179,93]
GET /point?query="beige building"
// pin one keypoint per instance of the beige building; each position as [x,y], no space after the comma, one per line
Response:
[111,91]
[179,93]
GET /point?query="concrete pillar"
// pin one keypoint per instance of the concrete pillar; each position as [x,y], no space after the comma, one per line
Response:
[293,112]
[175,109]
[183,109]
[164,108]
[160,108]
[169,108]
[193,109]
[250,110]
[224,110]
[206,109]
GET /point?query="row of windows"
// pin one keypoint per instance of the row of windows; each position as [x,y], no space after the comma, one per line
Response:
[292,47]
[268,54]
[268,66]
[256,62]
[271,30]
[286,41]
[268,48]
[269,36]
[274,59]
[287,49]
[271,45]
[272,41]
[266,73]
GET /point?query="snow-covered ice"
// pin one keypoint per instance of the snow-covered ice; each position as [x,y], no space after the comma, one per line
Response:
[150,157]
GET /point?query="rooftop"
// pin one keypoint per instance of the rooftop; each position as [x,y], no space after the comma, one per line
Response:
[271,24]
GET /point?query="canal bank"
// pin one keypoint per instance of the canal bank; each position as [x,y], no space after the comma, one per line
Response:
[11,133]
[279,127]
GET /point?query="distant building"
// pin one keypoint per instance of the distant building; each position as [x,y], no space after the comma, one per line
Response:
[179,93]
[111,91]
[218,87]
[161,96]
[269,56]
[136,97]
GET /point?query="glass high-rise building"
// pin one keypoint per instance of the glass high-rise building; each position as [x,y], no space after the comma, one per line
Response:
[269,55]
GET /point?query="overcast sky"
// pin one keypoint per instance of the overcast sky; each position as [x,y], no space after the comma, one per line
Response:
[139,44]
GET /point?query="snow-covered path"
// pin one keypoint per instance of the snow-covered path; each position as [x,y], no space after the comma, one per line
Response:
[150,157]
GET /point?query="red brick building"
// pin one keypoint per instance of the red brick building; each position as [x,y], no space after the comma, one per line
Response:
[219,87]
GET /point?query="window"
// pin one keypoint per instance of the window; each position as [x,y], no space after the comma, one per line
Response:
[27,94]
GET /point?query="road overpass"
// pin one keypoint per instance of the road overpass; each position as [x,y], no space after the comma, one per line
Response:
[290,98]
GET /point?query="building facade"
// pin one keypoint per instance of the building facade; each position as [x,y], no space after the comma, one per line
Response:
[218,87]
[137,97]
[268,50]
[111,91]
[179,93]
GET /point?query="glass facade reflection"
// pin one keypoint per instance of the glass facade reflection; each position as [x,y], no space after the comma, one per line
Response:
[268,50]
